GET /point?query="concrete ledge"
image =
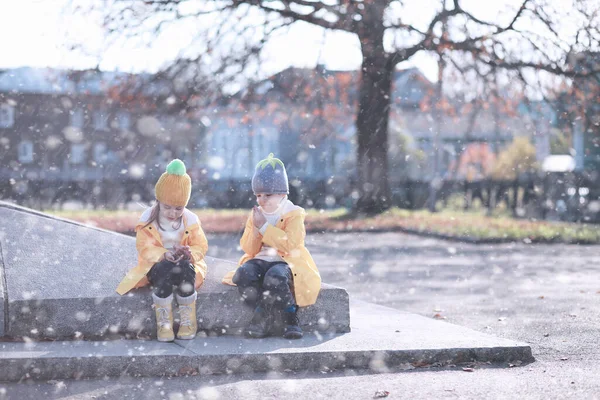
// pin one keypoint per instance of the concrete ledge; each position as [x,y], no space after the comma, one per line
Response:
[219,310]
[61,277]
[3,298]
[381,338]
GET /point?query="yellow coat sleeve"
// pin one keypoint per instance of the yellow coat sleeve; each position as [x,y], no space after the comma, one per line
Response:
[289,239]
[198,244]
[251,240]
[146,247]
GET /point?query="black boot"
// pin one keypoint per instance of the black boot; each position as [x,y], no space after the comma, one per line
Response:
[291,328]
[260,324]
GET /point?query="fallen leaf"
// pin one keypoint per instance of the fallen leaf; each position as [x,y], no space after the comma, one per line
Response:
[541,297]
[438,316]
[420,364]
[380,394]
[188,371]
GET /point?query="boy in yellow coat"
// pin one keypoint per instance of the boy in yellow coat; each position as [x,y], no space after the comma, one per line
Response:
[277,273]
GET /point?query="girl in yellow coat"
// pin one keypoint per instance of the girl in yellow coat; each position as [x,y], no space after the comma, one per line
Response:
[277,273]
[171,247]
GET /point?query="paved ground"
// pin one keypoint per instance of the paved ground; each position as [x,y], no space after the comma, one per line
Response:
[544,295]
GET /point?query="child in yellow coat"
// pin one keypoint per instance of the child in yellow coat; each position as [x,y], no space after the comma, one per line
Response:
[171,246]
[277,274]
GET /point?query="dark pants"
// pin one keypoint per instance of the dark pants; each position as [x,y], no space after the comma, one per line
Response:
[265,283]
[164,275]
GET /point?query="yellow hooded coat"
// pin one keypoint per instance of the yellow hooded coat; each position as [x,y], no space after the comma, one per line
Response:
[150,250]
[287,237]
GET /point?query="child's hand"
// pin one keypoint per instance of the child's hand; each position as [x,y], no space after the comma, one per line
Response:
[183,251]
[172,257]
[258,219]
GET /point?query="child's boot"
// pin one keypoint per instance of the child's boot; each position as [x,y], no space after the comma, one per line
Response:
[188,323]
[291,323]
[260,324]
[164,318]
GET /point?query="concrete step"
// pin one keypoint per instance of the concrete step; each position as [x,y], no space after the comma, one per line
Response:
[58,280]
[380,339]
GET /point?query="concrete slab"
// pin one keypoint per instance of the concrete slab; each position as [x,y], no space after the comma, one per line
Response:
[3,297]
[61,277]
[380,338]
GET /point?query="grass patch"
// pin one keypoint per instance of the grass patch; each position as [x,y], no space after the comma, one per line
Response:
[472,225]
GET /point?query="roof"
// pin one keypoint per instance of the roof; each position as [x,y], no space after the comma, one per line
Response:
[60,81]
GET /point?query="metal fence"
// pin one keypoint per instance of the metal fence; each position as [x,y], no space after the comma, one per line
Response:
[569,197]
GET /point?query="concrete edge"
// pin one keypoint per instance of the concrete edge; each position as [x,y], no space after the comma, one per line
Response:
[83,364]
[3,295]
[18,208]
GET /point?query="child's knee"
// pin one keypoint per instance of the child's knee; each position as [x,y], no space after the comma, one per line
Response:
[186,289]
[244,276]
[272,282]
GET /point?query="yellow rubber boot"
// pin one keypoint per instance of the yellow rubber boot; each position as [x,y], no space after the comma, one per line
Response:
[188,323]
[164,318]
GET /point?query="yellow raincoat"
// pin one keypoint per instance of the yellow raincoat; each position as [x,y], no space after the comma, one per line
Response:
[287,237]
[150,250]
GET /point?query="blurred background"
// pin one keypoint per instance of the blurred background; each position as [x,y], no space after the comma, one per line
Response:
[371,104]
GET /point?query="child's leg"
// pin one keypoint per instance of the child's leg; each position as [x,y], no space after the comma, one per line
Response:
[278,283]
[161,278]
[248,278]
[162,286]
[184,277]
[277,286]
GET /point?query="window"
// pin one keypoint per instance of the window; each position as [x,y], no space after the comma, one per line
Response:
[7,116]
[100,155]
[77,155]
[77,118]
[100,121]
[124,121]
[241,163]
[25,152]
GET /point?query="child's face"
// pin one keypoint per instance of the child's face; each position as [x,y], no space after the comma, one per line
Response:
[269,202]
[172,213]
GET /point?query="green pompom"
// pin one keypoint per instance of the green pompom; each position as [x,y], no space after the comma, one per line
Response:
[270,160]
[176,167]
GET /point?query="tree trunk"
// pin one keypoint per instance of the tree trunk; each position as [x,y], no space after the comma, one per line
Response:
[372,132]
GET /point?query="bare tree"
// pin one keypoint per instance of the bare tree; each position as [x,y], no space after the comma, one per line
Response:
[230,35]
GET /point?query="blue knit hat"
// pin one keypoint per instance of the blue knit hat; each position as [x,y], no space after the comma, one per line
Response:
[270,177]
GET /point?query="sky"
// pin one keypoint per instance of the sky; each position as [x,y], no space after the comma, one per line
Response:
[34,33]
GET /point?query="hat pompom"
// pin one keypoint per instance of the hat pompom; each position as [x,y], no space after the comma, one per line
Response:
[174,186]
[176,167]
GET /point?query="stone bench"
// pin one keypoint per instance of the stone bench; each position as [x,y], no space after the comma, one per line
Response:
[58,281]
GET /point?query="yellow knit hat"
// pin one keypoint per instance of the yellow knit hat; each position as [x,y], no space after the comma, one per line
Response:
[174,186]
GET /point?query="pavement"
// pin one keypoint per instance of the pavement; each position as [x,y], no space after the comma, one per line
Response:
[380,339]
[543,295]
